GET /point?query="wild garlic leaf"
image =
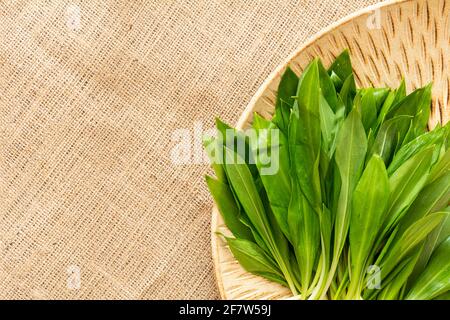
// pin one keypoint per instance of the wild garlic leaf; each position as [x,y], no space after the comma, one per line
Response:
[423,112]
[400,93]
[405,184]
[435,279]
[224,195]
[328,126]
[391,102]
[286,90]
[270,149]
[408,105]
[304,228]
[347,93]
[413,147]
[241,179]
[441,168]
[434,197]
[214,150]
[281,243]
[369,203]
[377,293]
[335,189]
[351,150]
[252,257]
[328,89]
[273,277]
[439,234]
[337,82]
[238,142]
[382,249]
[368,109]
[342,66]
[258,212]
[387,138]
[395,285]
[259,123]
[444,296]
[305,135]
[408,240]
[380,95]
[387,104]
[326,226]
[258,239]
[228,209]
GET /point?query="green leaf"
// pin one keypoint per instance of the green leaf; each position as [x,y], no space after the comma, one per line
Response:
[224,195]
[446,143]
[337,82]
[413,147]
[305,135]
[368,109]
[260,216]
[303,225]
[435,279]
[228,209]
[348,92]
[387,137]
[376,293]
[391,102]
[335,188]
[342,65]
[214,152]
[405,184]
[270,149]
[328,126]
[286,90]
[423,111]
[432,198]
[387,104]
[252,258]
[328,89]
[238,142]
[444,296]
[400,93]
[259,123]
[273,277]
[242,182]
[441,168]
[405,242]
[326,225]
[408,105]
[350,153]
[380,95]
[258,239]
[369,203]
[439,234]
[395,285]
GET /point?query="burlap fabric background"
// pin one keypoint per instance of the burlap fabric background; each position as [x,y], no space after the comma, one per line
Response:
[90,95]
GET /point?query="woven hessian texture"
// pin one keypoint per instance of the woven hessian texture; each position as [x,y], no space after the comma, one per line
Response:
[91,204]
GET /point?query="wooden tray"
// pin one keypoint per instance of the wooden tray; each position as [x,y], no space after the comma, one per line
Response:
[387,41]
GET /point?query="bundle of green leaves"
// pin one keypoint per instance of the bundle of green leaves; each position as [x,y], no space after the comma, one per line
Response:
[356,205]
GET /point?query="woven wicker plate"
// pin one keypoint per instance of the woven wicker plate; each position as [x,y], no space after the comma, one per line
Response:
[397,38]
